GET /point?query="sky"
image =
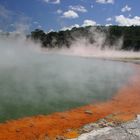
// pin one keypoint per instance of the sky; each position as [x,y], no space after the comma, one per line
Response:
[54,15]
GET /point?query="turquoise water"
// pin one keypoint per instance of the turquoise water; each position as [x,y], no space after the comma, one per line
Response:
[50,83]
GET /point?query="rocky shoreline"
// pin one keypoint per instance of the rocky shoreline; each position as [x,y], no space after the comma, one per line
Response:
[105,130]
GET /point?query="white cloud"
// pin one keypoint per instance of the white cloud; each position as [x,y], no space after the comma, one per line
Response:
[35,22]
[12,25]
[51,30]
[130,15]
[70,27]
[109,19]
[52,1]
[39,26]
[21,28]
[13,21]
[108,24]
[105,1]
[78,8]
[126,8]
[91,6]
[70,14]
[125,21]
[4,13]
[88,22]
[59,11]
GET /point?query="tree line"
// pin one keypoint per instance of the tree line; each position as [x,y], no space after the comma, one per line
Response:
[130,36]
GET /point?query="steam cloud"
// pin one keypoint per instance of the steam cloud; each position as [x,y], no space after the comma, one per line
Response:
[82,47]
[35,82]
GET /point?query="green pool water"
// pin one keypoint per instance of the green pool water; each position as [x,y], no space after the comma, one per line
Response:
[48,83]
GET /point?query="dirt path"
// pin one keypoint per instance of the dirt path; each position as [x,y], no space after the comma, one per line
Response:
[125,105]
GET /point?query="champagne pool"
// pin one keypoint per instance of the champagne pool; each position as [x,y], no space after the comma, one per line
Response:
[51,83]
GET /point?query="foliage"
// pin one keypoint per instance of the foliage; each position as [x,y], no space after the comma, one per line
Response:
[130,35]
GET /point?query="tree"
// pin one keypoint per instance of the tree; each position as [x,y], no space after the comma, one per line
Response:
[130,35]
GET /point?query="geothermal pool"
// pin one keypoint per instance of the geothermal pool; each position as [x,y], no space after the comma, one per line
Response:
[50,83]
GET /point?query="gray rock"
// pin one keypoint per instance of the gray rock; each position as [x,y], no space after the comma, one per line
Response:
[99,124]
[126,131]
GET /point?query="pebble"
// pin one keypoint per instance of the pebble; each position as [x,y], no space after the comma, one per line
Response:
[60,138]
[89,112]
[17,130]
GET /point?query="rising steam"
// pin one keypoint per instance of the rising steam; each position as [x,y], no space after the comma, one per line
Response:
[99,49]
[33,81]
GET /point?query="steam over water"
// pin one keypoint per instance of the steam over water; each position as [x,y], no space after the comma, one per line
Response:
[32,82]
[56,83]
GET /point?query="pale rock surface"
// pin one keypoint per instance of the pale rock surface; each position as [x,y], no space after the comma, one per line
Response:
[126,131]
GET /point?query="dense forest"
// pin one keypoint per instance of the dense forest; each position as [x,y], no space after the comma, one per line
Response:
[130,36]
